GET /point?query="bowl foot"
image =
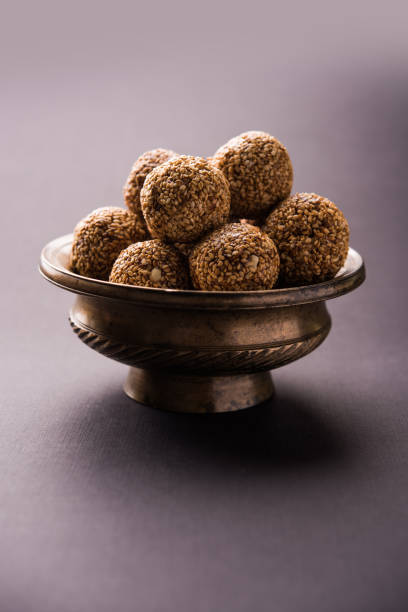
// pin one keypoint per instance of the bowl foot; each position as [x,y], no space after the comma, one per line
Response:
[200,394]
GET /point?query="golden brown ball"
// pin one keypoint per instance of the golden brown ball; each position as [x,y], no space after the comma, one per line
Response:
[184,198]
[151,263]
[237,257]
[140,169]
[259,172]
[100,237]
[312,237]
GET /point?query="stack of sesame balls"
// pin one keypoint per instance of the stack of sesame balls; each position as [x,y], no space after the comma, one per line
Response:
[226,223]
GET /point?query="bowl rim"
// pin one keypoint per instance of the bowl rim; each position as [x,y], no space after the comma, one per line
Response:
[348,278]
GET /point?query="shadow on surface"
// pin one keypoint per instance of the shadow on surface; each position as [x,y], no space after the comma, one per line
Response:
[283,433]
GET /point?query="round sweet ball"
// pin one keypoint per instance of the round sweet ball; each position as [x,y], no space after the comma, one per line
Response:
[151,263]
[100,237]
[185,198]
[312,237]
[237,257]
[140,169]
[259,172]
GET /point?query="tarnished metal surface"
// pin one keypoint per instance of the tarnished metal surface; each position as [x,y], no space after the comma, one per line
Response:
[197,351]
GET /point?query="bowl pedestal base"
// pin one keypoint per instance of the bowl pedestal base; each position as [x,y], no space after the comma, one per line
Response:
[202,394]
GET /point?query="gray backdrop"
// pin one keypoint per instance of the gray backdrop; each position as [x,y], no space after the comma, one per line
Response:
[299,505]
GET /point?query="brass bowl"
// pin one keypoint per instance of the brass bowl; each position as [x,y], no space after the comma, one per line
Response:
[198,351]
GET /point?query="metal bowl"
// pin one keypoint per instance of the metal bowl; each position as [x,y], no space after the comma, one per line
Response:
[198,351]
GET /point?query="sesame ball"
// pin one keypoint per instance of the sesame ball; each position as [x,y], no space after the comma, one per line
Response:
[237,257]
[151,263]
[184,198]
[100,237]
[140,169]
[312,237]
[259,172]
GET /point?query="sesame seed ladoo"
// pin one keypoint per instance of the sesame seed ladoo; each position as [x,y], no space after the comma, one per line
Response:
[259,172]
[237,257]
[135,181]
[184,198]
[312,237]
[100,237]
[151,263]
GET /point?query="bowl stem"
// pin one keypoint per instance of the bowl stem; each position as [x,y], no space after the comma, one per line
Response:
[198,394]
